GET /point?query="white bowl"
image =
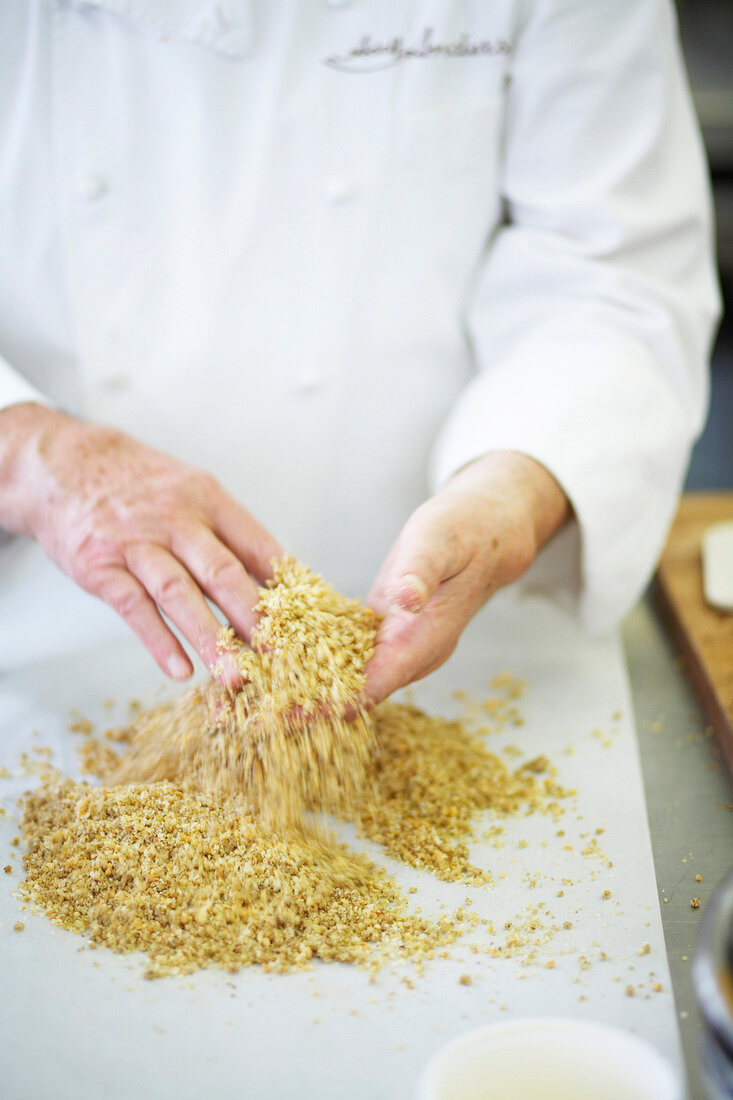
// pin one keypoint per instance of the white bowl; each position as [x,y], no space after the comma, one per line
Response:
[548,1058]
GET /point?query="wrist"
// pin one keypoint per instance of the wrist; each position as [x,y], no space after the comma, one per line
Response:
[536,494]
[22,429]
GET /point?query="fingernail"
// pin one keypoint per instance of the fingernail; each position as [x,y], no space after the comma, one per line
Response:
[409,593]
[178,667]
[227,671]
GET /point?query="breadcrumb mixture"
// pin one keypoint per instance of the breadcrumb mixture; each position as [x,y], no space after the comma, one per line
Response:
[282,740]
[195,882]
[196,850]
[428,780]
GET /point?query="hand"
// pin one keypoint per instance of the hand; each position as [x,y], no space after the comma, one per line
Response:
[141,530]
[480,532]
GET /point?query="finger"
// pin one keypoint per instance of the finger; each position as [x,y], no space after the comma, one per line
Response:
[176,593]
[130,600]
[221,576]
[248,540]
[410,646]
[396,664]
[428,552]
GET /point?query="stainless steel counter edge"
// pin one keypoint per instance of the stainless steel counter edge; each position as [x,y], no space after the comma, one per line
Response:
[689,796]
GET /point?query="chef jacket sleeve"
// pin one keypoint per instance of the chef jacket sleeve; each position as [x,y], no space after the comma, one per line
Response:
[594,310]
[14,388]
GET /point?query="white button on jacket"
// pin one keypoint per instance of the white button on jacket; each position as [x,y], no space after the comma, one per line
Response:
[526,263]
[91,188]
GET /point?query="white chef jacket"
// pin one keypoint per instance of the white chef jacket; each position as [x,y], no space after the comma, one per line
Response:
[321,248]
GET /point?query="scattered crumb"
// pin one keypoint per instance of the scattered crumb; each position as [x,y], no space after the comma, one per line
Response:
[81,725]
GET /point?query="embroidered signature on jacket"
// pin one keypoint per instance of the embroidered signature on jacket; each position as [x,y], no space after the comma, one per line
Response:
[370,56]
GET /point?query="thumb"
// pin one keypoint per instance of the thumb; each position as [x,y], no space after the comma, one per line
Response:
[427,553]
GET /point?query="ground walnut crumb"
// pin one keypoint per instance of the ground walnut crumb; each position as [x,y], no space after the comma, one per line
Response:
[694,903]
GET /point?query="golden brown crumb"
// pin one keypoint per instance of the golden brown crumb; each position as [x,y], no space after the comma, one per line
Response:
[465,979]
[698,878]
[694,903]
[538,765]
[7,869]
[629,991]
[18,926]
[81,725]
[606,895]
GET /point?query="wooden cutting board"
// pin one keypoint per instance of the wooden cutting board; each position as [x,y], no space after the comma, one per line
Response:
[704,634]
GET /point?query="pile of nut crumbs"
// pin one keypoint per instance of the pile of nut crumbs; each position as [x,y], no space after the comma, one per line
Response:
[195,850]
[195,882]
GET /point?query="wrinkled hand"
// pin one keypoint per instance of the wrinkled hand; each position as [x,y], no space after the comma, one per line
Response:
[141,530]
[480,532]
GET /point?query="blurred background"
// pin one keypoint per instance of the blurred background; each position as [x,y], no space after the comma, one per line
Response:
[706,27]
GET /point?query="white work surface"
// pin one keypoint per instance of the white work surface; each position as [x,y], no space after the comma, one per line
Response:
[83,1024]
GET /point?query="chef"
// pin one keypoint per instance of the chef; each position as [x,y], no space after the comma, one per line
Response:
[420,292]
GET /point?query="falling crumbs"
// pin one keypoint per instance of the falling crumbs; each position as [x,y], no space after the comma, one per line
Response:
[200,848]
